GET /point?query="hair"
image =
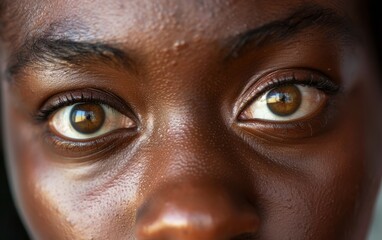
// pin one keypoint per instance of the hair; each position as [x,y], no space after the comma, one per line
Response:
[10,222]
[375,11]
[2,15]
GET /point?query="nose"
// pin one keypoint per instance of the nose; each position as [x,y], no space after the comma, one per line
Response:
[196,211]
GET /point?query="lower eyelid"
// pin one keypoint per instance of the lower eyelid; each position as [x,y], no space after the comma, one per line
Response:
[89,150]
[282,131]
[293,131]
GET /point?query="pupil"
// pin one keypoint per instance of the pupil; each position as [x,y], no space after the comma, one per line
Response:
[284,101]
[87,118]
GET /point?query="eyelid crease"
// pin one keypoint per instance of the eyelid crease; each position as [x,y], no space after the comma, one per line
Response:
[82,95]
[283,77]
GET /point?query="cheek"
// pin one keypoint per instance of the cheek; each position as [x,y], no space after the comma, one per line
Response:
[314,202]
[56,199]
[312,195]
[317,193]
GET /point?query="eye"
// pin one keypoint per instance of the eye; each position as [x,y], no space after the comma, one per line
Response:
[286,103]
[83,121]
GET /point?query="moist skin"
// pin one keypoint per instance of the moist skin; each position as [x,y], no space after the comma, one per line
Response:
[190,168]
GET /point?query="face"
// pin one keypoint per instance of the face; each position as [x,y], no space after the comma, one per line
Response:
[190,119]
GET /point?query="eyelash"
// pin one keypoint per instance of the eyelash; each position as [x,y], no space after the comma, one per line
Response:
[276,79]
[323,84]
[85,95]
[316,80]
[91,149]
[293,130]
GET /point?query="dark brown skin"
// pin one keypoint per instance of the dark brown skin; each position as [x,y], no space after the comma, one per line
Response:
[187,161]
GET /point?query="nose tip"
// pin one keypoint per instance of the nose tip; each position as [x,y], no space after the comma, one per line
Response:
[191,212]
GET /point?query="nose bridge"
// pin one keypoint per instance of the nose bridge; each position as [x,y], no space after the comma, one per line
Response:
[196,189]
[193,120]
[194,138]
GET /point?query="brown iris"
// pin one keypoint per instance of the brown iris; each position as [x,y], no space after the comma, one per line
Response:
[87,118]
[284,100]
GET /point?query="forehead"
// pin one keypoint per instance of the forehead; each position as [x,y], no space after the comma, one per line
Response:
[132,20]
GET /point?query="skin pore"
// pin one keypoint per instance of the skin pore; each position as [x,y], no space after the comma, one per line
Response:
[200,119]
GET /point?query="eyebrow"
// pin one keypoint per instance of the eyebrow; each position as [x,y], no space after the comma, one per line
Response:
[62,52]
[306,17]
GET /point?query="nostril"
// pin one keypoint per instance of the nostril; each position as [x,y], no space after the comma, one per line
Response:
[196,212]
[246,236]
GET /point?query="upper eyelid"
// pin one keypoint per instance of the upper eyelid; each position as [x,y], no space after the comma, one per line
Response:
[84,95]
[284,76]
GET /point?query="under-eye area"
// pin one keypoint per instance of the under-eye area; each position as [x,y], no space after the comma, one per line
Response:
[288,103]
[226,119]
